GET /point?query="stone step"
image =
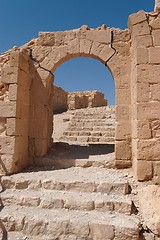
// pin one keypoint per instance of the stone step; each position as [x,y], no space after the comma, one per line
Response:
[53,199]
[91,124]
[87,139]
[89,133]
[65,224]
[94,117]
[102,160]
[85,112]
[107,181]
[93,128]
[92,120]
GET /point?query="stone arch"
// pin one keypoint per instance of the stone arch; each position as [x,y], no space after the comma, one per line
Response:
[51,50]
[96,43]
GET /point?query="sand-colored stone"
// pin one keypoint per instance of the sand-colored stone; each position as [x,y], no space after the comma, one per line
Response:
[134,66]
[149,198]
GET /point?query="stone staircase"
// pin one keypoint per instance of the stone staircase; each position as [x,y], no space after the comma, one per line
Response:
[73,193]
[75,203]
[91,125]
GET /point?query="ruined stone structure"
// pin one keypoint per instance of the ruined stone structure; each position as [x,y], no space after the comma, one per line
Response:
[59,100]
[27,96]
[63,100]
[77,100]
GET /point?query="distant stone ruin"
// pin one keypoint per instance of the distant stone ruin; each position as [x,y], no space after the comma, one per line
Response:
[63,101]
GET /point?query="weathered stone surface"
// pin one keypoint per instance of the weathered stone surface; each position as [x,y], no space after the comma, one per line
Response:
[8,109]
[10,74]
[155,24]
[144,170]
[138,17]
[141,29]
[149,198]
[154,55]
[156,37]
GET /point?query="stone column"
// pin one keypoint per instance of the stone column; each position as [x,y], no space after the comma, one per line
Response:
[145,82]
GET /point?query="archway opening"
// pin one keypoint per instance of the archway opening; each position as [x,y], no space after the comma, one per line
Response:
[81,129]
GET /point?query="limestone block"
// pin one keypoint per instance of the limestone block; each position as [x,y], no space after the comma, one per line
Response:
[123,96]
[147,73]
[122,113]
[101,231]
[20,60]
[85,46]
[148,150]
[148,110]
[74,46]
[124,163]
[140,29]
[106,53]
[123,150]
[6,164]
[7,109]
[121,35]
[143,41]
[137,18]
[149,199]
[144,170]
[155,24]
[96,48]
[46,38]
[122,48]
[123,130]
[141,92]
[121,81]
[7,145]
[40,52]
[156,37]
[154,55]
[81,33]
[9,74]
[103,36]
[154,92]
[69,36]
[141,129]
[59,38]
[141,55]
[13,92]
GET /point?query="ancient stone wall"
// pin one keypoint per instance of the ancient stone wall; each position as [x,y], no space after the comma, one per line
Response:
[59,100]
[14,114]
[145,85]
[77,100]
[63,101]
[25,125]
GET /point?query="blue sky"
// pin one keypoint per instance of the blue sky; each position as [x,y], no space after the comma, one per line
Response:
[21,20]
